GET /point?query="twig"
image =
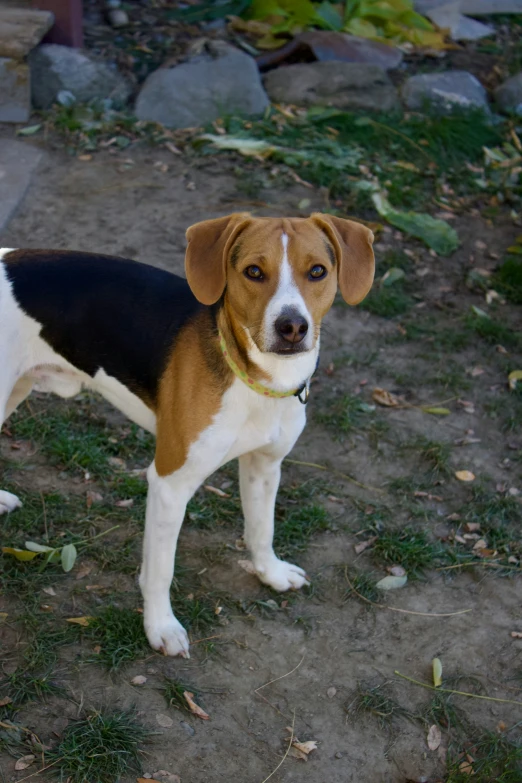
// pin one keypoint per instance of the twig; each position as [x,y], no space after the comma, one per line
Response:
[218,636]
[271,683]
[44,517]
[334,473]
[457,693]
[403,136]
[479,563]
[402,611]
[291,735]
[87,541]
[42,769]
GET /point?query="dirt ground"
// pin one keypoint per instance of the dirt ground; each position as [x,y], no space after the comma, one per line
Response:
[325,644]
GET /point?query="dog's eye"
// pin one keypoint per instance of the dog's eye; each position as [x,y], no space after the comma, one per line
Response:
[254,272]
[317,272]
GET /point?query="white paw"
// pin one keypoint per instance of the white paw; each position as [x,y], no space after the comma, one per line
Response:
[167,636]
[282,576]
[8,502]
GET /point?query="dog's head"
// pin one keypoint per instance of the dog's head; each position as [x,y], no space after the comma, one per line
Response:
[279,276]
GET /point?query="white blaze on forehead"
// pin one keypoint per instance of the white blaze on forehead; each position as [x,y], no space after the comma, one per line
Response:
[287,294]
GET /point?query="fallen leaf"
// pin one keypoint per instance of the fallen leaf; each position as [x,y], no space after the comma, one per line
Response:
[436,411]
[397,571]
[472,527]
[501,726]
[20,554]
[460,539]
[465,475]
[364,545]
[384,398]
[6,700]
[69,555]
[147,780]
[97,649]
[501,349]
[513,378]
[516,634]
[480,544]
[305,747]
[434,737]
[391,582]
[83,621]
[216,491]
[437,672]
[24,762]
[247,565]
[83,571]
[125,503]
[437,234]
[164,720]
[297,754]
[84,158]
[466,768]
[93,497]
[140,679]
[195,708]
[392,275]
[49,590]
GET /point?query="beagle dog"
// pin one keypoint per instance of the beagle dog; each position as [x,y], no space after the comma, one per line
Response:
[217,366]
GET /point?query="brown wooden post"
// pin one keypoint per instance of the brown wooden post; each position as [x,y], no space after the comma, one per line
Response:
[68,25]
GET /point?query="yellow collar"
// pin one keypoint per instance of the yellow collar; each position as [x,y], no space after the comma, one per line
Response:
[302,393]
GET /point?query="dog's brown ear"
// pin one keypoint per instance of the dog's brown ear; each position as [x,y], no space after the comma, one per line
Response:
[353,248]
[209,244]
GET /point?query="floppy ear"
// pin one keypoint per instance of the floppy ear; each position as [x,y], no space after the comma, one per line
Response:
[209,244]
[353,248]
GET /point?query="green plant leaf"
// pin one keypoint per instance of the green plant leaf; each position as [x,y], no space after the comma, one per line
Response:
[69,555]
[392,582]
[32,546]
[436,233]
[30,130]
[330,16]
[392,276]
[20,554]
[437,411]
[437,672]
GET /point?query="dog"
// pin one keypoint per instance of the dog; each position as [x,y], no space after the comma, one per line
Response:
[217,366]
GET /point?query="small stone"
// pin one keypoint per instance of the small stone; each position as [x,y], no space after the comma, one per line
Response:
[342,85]
[445,92]
[339,755]
[140,679]
[509,95]
[164,720]
[331,692]
[219,78]
[118,17]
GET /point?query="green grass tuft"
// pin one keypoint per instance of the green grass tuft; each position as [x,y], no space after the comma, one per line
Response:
[102,748]
[23,687]
[341,415]
[407,547]
[508,279]
[494,760]
[294,531]
[376,702]
[173,691]
[119,633]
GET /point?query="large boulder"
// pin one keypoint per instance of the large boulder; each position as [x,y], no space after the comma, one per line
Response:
[220,80]
[444,92]
[509,95]
[57,68]
[350,86]
[15,92]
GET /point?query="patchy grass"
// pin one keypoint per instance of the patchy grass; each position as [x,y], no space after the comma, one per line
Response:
[296,528]
[22,687]
[173,691]
[342,415]
[388,301]
[508,279]
[120,635]
[101,748]
[491,758]
[434,454]
[442,711]
[493,332]
[362,583]
[376,702]
[407,547]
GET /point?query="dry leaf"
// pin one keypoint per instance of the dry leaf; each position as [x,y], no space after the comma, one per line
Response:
[516,634]
[140,679]
[501,726]
[164,720]
[465,475]
[125,503]
[391,582]
[50,590]
[6,700]
[481,544]
[385,398]
[472,527]
[364,545]
[83,571]
[147,780]
[83,621]
[84,159]
[216,491]
[466,768]
[297,754]
[305,747]
[460,539]
[513,379]
[93,497]
[247,565]
[195,708]
[24,762]
[434,737]
[437,672]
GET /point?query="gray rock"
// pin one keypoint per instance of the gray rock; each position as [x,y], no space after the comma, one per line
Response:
[219,80]
[444,92]
[509,95]
[350,86]
[18,160]
[474,7]
[449,17]
[15,91]
[55,68]
[327,45]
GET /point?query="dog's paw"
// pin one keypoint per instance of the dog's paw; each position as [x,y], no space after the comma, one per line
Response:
[8,502]
[282,576]
[168,637]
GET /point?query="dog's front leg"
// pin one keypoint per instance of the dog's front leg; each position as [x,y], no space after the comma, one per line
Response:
[166,502]
[259,475]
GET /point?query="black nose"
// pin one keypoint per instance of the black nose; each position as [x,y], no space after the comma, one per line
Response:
[291,327]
